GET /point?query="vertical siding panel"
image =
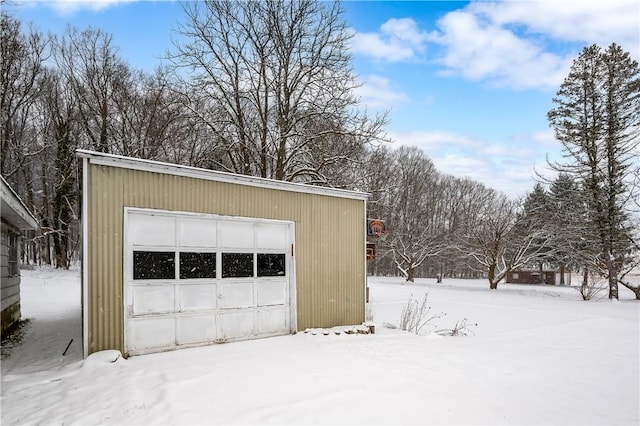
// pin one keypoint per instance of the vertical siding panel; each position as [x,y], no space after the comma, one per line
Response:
[307,257]
[91,264]
[105,267]
[97,267]
[99,256]
[107,309]
[117,271]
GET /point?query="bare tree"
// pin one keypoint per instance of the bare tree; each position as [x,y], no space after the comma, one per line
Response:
[415,234]
[463,199]
[23,56]
[498,243]
[152,121]
[62,129]
[96,74]
[272,82]
[427,213]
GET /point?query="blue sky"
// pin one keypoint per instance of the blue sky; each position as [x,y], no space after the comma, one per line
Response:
[468,82]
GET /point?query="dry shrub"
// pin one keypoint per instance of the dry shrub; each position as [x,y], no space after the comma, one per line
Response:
[415,315]
[592,287]
[462,328]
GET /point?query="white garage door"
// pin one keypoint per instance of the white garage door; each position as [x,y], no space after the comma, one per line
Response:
[193,280]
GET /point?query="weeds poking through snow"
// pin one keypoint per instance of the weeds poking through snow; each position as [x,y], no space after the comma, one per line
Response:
[415,315]
[594,286]
[462,328]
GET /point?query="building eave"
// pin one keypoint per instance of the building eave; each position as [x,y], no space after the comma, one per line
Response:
[112,160]
[14,211]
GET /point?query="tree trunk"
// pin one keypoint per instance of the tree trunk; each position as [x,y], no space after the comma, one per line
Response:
[541,270]
[45,248]
[60,242]
[411,274]
[29,240]
[635,290]
[492,275]
[613,281]
[613,277]
[562,274]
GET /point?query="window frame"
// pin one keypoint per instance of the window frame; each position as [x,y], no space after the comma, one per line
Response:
[195,251]
[284,264]
[133,265]
[13,247]
[223,263]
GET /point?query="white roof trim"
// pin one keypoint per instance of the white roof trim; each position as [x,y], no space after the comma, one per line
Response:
[14,210]
[112,160]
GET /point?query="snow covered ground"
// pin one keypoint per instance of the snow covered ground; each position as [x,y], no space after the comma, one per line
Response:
[539,355]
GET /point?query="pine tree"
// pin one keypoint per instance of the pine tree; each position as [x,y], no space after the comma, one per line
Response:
[566,223]
[596,118]
[536,215]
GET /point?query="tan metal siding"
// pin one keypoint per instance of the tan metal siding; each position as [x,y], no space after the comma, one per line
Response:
[329,253]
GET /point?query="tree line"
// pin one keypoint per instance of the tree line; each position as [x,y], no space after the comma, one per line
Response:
[267,89]
[585,219]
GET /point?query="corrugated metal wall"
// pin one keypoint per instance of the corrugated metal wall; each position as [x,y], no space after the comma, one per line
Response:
[329,256]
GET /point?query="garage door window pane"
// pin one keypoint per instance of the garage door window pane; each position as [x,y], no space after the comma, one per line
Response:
[237,265]
[154,265]
[197,265]
[271,265]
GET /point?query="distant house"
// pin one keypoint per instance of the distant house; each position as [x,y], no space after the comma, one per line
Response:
[15,219]
[533,277]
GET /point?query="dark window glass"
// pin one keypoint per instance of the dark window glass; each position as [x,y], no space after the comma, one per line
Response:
[197,265]
[237,265]
[271,265]
[13,256]
[154,265]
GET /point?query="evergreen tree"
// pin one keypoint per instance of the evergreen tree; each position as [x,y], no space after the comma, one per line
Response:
[536,215]
[596,118]
[566,221]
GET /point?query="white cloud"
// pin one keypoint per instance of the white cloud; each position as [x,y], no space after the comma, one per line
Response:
[397,40]
[436,140]
[69,7]
[507,43]
[451,142]
[480,50]
[509,167]
[515,179]
[595,21]
[377,93]
[546,138]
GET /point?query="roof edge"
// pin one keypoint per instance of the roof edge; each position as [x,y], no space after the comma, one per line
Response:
[120,161]
[21,214]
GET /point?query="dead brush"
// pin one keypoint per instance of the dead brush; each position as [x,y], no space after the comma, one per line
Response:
[416,315]
[462,328]
[591,288]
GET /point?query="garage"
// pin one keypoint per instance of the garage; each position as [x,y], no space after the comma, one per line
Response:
[175,256]
[197,279]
